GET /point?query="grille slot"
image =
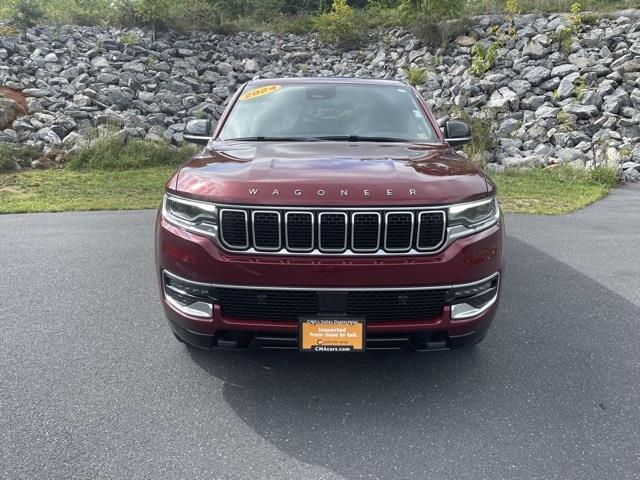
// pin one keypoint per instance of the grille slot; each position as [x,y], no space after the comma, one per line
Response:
[299,231]
[396,304]
[430,230]
[316,232]
[290,305]
[266,230]
[332,231]
[249,304]
[233,226]
[398,231]
[365,231]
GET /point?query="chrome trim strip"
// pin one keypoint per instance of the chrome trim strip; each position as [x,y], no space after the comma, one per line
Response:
[386,228]
[338,208]
[253,231]
[462,311]
[443,237]
[346,227]
[288,249]
[334,289]
[246,230]
[196,309]
[353,229]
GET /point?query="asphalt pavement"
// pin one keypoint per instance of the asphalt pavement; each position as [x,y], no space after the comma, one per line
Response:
[94,386]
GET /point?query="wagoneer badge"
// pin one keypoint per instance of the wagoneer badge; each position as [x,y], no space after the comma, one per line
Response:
[344,192]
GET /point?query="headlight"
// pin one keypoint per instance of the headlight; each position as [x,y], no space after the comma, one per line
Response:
[198,217]
[474,216]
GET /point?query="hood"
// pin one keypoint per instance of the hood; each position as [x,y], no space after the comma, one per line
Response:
[330,173]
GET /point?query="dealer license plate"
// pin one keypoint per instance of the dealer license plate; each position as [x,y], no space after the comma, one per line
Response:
[332,335]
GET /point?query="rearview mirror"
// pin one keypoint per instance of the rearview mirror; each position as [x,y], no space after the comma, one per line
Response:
[456,133]
[198,131]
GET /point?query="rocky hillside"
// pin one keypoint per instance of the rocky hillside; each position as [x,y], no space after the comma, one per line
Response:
[556,92]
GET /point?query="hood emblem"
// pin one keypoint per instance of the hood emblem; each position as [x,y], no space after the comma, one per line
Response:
[322,192]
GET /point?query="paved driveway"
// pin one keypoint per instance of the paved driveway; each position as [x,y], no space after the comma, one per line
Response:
[93,385]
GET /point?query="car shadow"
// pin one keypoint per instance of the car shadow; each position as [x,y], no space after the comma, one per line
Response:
[551,392]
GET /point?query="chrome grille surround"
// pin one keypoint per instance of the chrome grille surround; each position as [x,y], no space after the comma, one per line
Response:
[228,245]
[316,214]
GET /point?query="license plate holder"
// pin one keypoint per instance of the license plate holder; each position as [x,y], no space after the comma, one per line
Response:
[332,334]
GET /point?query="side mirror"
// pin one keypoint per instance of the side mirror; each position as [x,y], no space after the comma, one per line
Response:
[456,133]
[198,131]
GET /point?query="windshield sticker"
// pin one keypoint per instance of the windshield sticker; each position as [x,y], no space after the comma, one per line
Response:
[258,92]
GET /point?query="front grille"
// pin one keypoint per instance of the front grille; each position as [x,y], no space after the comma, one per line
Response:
[290,305]
[332,232]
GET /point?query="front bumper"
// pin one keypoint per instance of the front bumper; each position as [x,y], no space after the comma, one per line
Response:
[198,259]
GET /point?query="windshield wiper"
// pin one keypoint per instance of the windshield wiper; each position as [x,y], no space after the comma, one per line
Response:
[364,138]
[272,139]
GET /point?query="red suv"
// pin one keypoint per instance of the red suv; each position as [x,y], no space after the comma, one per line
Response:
[330,215]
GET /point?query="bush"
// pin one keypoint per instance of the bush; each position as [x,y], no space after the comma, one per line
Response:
[26,13]
[416,76]
[483,58]
[338,26]
[10,155]
[114,152]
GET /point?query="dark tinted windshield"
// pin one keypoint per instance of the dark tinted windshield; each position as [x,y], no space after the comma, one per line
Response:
[328,111]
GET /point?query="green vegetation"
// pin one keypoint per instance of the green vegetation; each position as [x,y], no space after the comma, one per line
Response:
[12,154]
[416,76]
[549,191]
[483,58]
[60,190]
[565,36]
[338,25]
[340,21]
[114,152]
[107,174]
[553,190]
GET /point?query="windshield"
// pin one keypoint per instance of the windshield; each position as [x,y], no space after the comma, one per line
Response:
[328,111]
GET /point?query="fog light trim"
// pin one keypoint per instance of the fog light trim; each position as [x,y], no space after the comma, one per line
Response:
[184,301]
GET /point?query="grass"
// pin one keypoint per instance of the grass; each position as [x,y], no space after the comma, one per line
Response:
[552,191]
[68,190]
[548,191]
[114,152]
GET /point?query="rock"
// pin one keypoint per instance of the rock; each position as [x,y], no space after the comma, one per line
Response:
[8,136]
[563,70]
[537,75]
[565,155]
[582,112]
[120,96]
[547,111]
[507,127]
[8,112]
[504,100]
[465,41]
[51,58]
[632,65]
[629,165]
[224,68]
[592,98]
[567,86]
[251,66]
[614,102]
[533,49]
[81,100]
[49,137]
[72,140]
[100,62]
